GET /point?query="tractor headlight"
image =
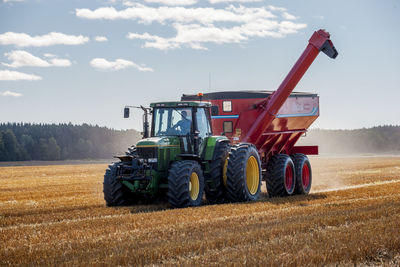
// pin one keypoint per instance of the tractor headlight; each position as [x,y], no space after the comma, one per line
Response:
[152,160]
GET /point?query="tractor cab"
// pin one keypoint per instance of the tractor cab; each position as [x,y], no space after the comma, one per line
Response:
[189,121]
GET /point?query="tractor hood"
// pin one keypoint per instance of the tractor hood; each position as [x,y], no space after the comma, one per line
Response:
[161,141]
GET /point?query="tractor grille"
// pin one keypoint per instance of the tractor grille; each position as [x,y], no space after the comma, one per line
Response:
[147,152]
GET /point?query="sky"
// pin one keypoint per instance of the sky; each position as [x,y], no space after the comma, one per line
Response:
[83,61]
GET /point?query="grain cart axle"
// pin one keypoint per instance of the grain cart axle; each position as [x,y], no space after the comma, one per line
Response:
[223,144]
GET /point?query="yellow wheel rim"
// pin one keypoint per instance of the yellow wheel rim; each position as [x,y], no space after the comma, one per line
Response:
[194,186]
[224,170]
[252,175]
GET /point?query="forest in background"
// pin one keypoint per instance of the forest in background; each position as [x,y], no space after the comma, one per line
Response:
[25,141]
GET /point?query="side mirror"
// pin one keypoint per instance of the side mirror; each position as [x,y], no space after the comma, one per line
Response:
[126,113]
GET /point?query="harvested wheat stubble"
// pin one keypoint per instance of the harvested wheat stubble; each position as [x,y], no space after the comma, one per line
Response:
[55,215]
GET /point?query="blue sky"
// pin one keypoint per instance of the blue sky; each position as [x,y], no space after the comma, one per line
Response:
[83,61]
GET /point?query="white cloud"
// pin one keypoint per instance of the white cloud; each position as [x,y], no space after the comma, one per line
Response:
[49,55]
[288,16]
[53,38]
[163,2]
[128,3]
[60,62]
[276,8]
[101,39]
[197,26]
[192,35]
[7,75]
[154,41]
[233,1]
[8,1]
[195,36]
[163,14]
[118,64]
[172,2]
[9,93]
[20,58]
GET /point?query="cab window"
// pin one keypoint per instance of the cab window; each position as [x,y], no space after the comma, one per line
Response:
[172,121]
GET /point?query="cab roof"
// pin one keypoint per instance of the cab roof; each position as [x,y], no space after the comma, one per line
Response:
[180,104]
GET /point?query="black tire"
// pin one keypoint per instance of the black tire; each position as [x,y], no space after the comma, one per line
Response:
[215,187]
[240,185]
[278,176]
[303,172]
[179,184]
[115,193]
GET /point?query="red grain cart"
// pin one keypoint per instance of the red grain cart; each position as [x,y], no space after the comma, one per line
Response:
[273,121]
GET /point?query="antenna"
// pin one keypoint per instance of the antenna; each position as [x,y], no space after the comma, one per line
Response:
[209,82]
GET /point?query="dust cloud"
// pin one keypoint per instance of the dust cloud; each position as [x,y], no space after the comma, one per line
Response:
[353,157]
[382,140]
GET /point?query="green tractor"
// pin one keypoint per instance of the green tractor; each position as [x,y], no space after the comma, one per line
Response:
[179,159]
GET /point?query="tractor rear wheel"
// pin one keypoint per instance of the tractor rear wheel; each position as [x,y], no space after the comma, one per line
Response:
[243,173]
[280,176]
[216,186]
[185,184]
[303,174]
[115,193]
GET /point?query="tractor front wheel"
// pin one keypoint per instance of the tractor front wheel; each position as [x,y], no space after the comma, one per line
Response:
[243,173]
[280,177]
[185,184]
[115,193]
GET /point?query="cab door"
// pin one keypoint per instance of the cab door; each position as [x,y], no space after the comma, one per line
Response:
[203,129]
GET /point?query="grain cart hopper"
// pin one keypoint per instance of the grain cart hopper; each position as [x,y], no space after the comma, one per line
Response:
[223,143]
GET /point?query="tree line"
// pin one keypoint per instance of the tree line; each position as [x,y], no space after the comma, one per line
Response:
[25,141]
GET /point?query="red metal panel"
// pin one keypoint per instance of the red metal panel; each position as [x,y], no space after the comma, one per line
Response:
[296,115]
[308,150]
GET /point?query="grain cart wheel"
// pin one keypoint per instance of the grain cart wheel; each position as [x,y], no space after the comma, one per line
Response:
[185,184]
[244,173]
[115,193]
[303,172]
[280,177]
[216,192]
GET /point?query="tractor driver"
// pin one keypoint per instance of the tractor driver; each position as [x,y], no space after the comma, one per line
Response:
[184,124]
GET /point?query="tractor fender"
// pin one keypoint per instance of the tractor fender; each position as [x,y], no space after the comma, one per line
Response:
[218,143]
[213,142]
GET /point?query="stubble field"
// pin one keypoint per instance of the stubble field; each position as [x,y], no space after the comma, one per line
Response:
[55,215]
